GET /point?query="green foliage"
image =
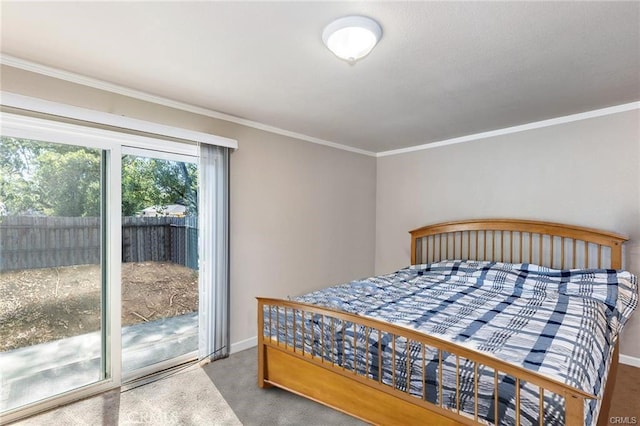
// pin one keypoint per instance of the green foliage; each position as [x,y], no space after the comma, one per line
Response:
[70,182]
[50,179]
[15,156]
[149,182]
[64,180]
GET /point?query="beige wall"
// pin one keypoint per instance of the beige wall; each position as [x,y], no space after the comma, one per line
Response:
[586,173]
[302,218]
[302,214]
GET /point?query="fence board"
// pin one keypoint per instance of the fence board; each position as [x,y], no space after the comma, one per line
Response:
[28,242]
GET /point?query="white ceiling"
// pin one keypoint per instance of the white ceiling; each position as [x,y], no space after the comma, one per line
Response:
[441,70]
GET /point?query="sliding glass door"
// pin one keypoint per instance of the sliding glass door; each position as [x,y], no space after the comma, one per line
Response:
[159,259]
[113,259]
[52,269]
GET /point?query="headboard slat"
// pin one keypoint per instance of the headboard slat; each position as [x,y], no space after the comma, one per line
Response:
[440,241]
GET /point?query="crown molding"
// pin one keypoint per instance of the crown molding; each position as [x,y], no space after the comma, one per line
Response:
[516,129]
[34,67]
[136,94]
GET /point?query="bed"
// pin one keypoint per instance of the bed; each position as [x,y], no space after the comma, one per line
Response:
[465,335]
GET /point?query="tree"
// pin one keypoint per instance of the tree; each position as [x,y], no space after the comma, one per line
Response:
[51,179]
[64,180]
[148,182]
[138,190]
[69,182]
[16,156]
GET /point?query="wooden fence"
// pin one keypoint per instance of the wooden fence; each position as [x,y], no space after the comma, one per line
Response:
[28,242]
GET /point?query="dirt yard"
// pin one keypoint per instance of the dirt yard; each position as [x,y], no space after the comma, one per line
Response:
[41,305]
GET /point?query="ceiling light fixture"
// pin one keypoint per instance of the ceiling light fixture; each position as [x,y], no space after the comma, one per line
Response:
[352,38]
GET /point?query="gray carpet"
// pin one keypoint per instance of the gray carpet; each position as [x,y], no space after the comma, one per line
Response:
[236,379]
[222,393]
[187,397]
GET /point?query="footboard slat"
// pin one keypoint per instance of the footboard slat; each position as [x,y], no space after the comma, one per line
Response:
[496,414]
[286,331]
[333,341]
[408,380]
[424,363]
[393,361]
[278,328]
[387,377]
[517,401]
[457,384]
[541,407]
[303,336]
[440,398]
[379,357]
[475,391]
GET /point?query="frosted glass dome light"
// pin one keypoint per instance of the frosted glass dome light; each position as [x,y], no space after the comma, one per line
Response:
[352,38]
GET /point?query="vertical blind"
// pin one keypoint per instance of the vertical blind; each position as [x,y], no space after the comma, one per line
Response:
[214,250]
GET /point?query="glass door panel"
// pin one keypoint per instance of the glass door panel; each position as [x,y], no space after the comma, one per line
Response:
[159,260]
[51,269]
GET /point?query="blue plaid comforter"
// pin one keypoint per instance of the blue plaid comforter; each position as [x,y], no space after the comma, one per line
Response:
[560,323]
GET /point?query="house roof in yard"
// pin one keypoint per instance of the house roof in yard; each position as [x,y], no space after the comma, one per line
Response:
[168,210]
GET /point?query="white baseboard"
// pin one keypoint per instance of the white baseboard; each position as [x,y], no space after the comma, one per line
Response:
[630,360]
[244,344]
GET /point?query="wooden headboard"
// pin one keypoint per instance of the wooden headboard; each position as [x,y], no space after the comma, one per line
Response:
[548,244]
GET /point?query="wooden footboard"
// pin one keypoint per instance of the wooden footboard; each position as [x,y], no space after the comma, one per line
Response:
[299,357]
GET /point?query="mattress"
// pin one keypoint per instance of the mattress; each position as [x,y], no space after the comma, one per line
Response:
[560,323]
